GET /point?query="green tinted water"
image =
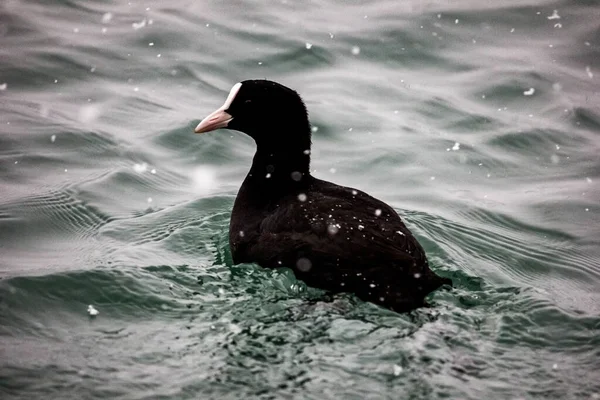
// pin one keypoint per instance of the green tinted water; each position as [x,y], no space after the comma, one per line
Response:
[477,122]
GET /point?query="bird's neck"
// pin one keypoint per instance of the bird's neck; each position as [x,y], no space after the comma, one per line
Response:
[277,171]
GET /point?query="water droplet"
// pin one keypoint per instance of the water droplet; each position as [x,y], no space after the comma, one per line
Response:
[149,200]
[3,86]
[53,138]
[588,70]
[355,50]
[332,170]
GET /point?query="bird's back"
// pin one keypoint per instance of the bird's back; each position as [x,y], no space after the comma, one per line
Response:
[339,239]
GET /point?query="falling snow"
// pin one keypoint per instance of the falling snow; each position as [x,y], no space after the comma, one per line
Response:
[333,229]
[355,50]
[92,311]
[203,178]
[529,92]
[106,18]
[140,168]
[377,212]
[304,264]
[554,15]
[139,25]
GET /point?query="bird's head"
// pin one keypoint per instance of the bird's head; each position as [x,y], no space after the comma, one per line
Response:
[266,111]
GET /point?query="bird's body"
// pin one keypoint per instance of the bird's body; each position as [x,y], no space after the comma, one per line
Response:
[333,237]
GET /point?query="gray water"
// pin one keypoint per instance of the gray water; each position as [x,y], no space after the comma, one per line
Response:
[477,121]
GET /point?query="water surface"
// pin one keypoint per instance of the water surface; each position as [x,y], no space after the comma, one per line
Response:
[477,121]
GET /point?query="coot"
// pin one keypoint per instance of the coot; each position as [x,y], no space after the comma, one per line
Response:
[333,237]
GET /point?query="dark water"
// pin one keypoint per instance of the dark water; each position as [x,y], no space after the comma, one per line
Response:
[478,121]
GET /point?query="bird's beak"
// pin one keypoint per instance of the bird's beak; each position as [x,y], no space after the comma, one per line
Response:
[216,120]
[219,118]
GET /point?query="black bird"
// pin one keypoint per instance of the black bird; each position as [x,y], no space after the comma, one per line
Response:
[333,237]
